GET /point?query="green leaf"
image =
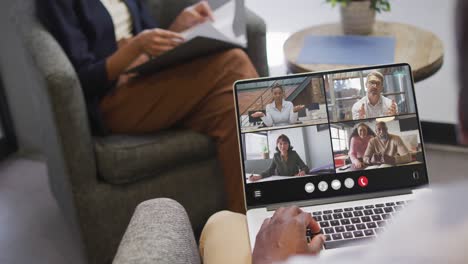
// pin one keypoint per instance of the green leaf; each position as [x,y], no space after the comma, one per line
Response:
[380,5]
[333,3]
[386,6]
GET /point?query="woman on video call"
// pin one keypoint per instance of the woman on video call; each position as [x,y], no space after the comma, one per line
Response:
[358,142]
[104,38]
[286,162]
[279,112]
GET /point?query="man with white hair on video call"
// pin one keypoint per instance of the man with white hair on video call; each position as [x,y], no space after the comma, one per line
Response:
[374,104]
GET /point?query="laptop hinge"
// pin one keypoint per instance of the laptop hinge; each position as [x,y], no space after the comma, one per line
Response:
[347,198]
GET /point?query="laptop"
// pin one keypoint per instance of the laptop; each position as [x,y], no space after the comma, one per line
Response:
[353,204]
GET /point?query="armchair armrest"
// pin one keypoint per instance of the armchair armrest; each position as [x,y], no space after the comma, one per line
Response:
[159,232]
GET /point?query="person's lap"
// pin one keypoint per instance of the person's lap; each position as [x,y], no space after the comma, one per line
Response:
[196,95]
[171,97]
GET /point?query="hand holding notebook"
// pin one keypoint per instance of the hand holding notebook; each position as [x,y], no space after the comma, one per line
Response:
[227,30]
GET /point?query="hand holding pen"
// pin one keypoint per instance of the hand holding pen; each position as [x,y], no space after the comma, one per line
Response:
[254,177]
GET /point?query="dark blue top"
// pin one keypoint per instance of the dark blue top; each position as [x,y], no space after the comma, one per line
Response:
[86,32]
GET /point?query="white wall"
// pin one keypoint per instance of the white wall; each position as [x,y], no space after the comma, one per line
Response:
[313,147]
[319,146]
[296,137]
[410,138]
[436,96]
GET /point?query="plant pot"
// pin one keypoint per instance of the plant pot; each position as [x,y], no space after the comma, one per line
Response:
[357,18]
[266,155]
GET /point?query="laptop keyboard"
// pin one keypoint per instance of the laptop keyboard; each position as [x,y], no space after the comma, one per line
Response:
[342,227]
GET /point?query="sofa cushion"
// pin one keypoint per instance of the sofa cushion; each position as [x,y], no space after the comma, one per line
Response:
[125,159]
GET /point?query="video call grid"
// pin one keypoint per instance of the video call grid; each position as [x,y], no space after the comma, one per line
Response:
[330,122]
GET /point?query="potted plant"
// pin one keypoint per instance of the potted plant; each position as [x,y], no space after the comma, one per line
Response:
[358,16]
[265,152]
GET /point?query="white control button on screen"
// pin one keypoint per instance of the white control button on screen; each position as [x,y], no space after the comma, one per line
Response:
[336,184]
[349,183]
[323,186]
[309,187]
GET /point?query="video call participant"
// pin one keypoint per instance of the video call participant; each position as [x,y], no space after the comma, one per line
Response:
[386,148]
[286,162]
[101,52]
[359,140]
[374,104]
[279,112]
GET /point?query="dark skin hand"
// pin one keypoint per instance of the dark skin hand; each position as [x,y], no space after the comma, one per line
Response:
[283,235]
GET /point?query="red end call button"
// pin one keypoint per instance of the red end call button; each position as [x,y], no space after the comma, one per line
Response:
[363,181]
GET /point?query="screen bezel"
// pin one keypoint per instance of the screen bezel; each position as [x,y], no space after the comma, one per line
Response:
[289,190]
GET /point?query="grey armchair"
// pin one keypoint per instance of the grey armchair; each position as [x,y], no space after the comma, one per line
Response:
[98,181]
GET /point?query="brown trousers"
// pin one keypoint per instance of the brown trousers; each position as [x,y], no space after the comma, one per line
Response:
[196,95]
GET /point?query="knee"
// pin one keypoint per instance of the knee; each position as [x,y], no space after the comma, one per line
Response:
[221,216]
[221,225]
[236,57]
[222,220]
[235,61]
[237,54]
[226,218]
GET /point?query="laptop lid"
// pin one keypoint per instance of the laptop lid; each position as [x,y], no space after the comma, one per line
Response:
[335,133]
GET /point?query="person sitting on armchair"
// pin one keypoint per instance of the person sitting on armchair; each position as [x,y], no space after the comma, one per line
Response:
[104,38]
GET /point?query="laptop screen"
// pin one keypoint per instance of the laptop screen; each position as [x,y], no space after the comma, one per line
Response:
[327,134]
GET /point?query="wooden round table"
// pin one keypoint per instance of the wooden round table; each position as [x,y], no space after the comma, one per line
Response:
[421,49]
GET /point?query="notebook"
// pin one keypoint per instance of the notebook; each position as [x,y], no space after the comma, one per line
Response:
[347,50]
